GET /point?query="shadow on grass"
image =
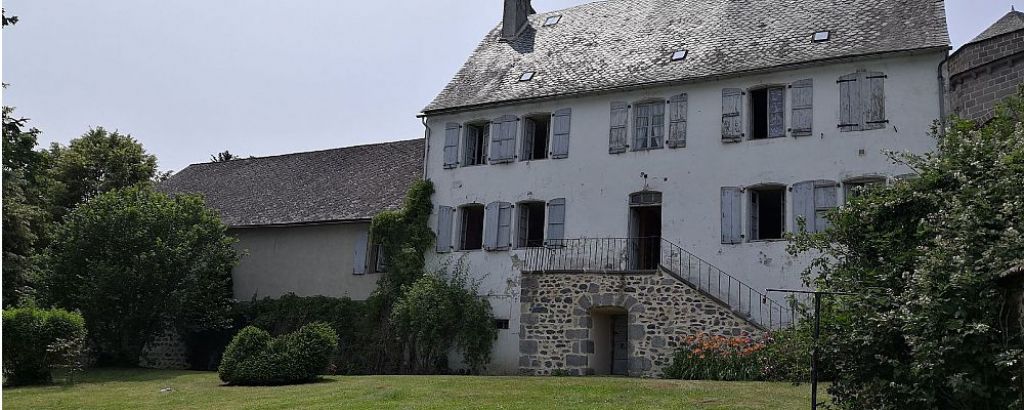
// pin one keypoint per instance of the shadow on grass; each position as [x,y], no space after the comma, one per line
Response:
[321,380]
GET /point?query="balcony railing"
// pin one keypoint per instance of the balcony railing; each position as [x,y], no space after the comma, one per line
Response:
[626,255]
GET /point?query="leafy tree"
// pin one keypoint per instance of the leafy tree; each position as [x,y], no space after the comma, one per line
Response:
[926,328]
[97,162]
[223,157]
[27,187]
[134,260]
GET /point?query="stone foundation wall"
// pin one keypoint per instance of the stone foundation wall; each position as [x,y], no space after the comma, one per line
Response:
[166,351]
[556,320]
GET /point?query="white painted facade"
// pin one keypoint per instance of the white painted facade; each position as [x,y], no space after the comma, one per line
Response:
[596,185]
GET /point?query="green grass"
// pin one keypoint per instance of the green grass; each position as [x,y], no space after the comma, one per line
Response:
[141,389]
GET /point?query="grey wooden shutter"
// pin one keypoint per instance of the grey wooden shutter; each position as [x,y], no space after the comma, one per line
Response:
[451,145]
[556,221]
[617,135]
[522,226]
[359,253]
[491,226]
[776,112]
[561,125]
[850,105]
[755,215]
[677,121]
[529,129]
[803,206]
[732,202]
[873,97]
[504,233]
[732,115]
[825,198]
[802,102]
[444,228]
[503,139]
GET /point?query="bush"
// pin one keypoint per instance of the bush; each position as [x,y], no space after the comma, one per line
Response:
[135,261]
[255,358]
[780,356]
[439,312]
[37,341]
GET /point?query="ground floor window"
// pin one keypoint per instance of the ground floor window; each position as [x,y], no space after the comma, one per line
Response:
[855,187]
[471,227]
[531,225]
[767,212]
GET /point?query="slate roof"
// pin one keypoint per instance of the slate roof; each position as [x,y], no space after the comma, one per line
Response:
[351,183]
[616,44]
[1012,21]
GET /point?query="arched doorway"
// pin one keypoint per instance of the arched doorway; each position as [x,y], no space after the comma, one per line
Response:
[645,230]
[610,333]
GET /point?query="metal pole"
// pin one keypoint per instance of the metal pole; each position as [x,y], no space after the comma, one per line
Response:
[814,351]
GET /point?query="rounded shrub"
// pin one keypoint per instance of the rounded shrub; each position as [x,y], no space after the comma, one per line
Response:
[255,358]
[36,341]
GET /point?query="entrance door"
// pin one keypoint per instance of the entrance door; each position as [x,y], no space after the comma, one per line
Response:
[620,345]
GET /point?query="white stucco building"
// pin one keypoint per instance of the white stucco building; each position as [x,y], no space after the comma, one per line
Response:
[665,142]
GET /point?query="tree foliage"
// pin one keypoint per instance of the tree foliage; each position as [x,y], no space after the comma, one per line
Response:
[134,260]
[926,328]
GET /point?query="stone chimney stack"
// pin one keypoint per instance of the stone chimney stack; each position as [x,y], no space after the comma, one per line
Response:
[516,12]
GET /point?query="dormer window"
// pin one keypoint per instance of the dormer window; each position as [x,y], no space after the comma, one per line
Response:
[822,36]
[527,76]
[550,21]
[679,55]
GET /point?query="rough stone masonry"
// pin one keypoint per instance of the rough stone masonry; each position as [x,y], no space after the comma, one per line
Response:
[556,321]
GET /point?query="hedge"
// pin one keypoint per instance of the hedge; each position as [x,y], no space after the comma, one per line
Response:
[37,341]
[255,358]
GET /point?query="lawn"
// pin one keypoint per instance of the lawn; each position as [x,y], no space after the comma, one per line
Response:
[142,389]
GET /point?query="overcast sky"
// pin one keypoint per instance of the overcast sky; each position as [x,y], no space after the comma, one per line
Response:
[190,78]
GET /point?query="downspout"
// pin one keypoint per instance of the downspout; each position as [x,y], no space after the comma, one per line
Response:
[426,145]
[943,94]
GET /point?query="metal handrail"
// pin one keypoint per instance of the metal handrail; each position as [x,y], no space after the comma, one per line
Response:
[626,255]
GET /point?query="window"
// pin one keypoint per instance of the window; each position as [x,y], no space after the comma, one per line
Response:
[650,125]
[501,324]
[378,259]
[527,76]
[475,148]
[767,212]
[536,130]
[822,36]
[853,188]
[530,225]
[767,113]
[862,101]
[679,55]
[550,21]
[471,227]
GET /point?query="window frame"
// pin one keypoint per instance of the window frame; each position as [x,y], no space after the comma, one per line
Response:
[482,143]
[547,138]
[767,88]
[633,131]
[522,241]
[463,226]
[754,227]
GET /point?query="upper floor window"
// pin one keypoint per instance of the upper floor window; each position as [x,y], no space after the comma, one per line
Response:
[536,130]
[649,125]
[767,212]
[862,101]
[767,113]
[475,144]
[471,227]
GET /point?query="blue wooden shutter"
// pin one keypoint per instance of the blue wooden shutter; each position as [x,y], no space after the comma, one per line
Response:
[504,236]
[776,112]
[825,198]
[802,101]
[732,202]
[850,105]
[803,205]
[503,139]
[732,115]
[617,134]
[359,252]
[556,221]
[561,123]
[444,228]
[491,226]
[451,145]
[873,100]
[677,121]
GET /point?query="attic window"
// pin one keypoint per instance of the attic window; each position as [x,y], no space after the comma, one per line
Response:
[679,55]
[527,76]
[822,36]
[550,21]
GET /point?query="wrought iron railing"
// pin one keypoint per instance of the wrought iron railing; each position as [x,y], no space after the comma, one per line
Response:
[624,255]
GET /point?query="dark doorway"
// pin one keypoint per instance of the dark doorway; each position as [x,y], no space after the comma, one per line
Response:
[620,345]
[645,230]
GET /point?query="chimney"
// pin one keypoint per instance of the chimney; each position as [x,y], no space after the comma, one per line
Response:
[516,12]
